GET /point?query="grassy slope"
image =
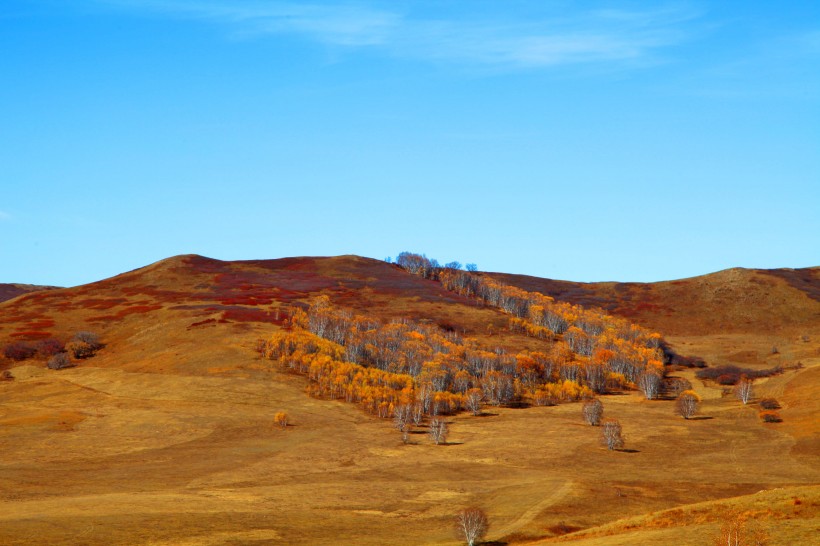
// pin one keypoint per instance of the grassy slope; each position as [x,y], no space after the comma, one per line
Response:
[166,436]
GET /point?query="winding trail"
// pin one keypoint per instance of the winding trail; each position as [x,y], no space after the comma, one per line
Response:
[557,494]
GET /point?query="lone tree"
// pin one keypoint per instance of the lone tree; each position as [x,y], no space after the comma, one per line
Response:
[687,404]
[593,411]
[744,390]
[438,431]
[472,525]
[611,435]
[281,419]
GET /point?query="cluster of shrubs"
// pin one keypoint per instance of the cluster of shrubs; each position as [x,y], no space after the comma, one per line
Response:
[768,413]
[23,350]
[60,355]
[729,374]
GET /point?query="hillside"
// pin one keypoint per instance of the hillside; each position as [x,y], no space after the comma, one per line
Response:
[167,435]
[732,316]
[12,290]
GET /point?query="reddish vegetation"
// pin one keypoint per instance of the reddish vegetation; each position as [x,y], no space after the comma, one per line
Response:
[31,335]
[241,314]
[101,303]
[202,322]
[38,324]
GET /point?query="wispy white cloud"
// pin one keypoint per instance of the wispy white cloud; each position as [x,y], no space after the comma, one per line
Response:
[604,36]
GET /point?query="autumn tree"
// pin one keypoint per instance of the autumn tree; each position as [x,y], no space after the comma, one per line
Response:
[84,345]
[593,411]
[280,419]
[473,400]
[687,404]
[438,431]
[611,434]
[744,390]
[472,525]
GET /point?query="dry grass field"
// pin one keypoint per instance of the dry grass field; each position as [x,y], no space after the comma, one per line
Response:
[167,435]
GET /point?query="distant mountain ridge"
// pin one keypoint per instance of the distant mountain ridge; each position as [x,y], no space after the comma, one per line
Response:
[12,290]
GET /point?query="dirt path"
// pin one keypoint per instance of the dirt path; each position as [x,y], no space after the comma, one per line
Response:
[525,518]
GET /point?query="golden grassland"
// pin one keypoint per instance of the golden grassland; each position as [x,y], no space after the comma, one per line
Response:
[167,436]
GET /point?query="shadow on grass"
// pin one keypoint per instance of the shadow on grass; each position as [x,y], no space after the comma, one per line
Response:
[700,418]
[486,414]
[628,450]
[451,443]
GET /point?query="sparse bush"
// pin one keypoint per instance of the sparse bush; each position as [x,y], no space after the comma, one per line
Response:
[687,404]
[80,349]
[593,411]
[6,376]
[769,404]
[60,361]
[472,525]
[611,434]
[280,419]
[90,338]
[49,347]
[770,416]
[19,351]
[676,385]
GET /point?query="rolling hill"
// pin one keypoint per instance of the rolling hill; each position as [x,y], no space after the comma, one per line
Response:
[166,436]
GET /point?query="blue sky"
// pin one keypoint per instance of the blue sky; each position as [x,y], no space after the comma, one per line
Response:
[631,141]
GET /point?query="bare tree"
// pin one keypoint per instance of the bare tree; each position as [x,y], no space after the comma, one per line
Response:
[687,404]
[401,416]
[472,268]
[472,525]
[438,431]
[593,411]
[418,413]
[744,389]
[650,384]
[473,400]
[611,435]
